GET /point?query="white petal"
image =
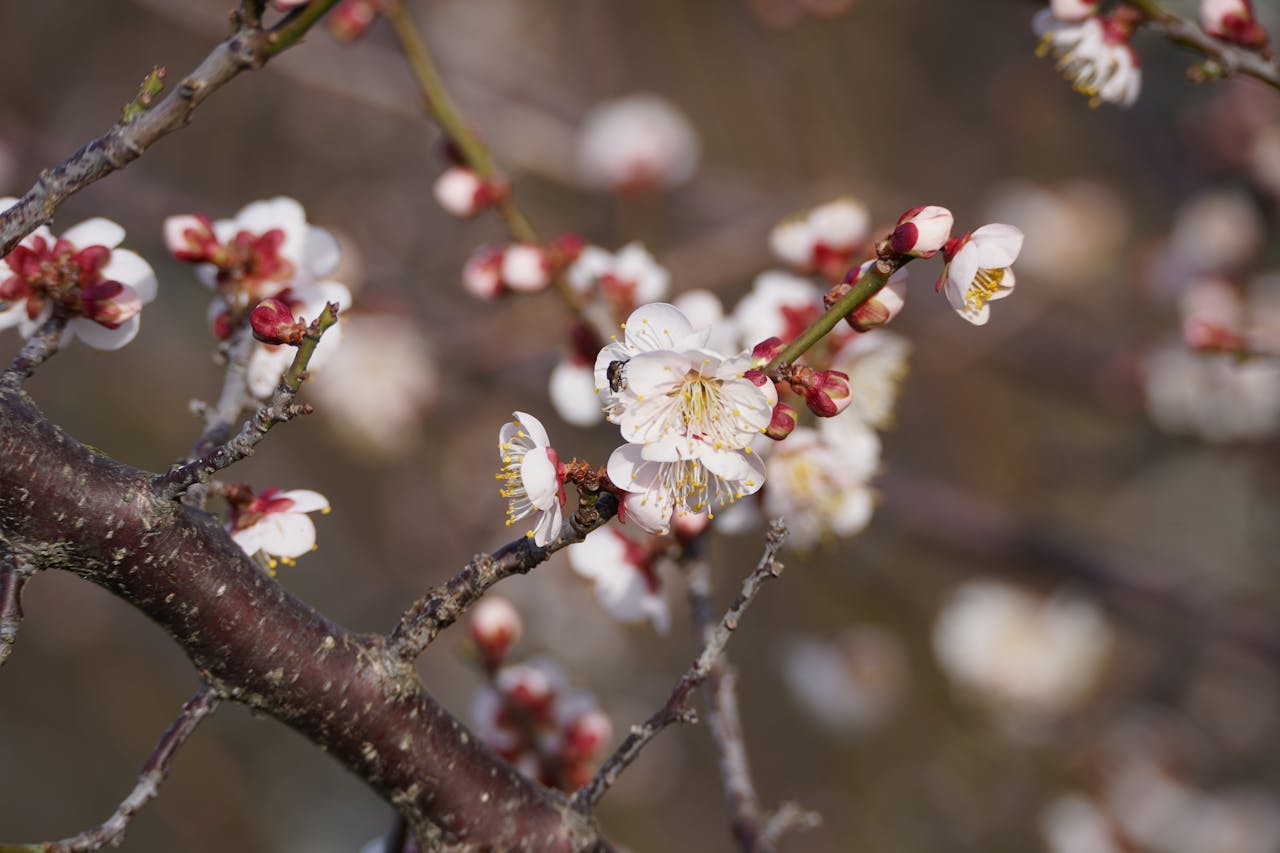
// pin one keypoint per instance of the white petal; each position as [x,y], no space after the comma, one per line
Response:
[94,232]
[321,253]
[602,548]
[548,526]
[287,534]
[998,245]
[129,268]
[100,337]
[13,315]
[305,500]
[265,366]
[539,478]
[533,427]
[573,394]
[657,325]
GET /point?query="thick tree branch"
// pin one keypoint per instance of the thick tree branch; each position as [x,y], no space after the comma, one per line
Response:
[249,48]
[1225,58]
[111,831]
[278,410]
[13,577]
[676,708]
[442,605]
[65,506]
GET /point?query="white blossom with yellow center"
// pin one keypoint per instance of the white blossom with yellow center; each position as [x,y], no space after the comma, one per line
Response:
[530,476]
[979,271]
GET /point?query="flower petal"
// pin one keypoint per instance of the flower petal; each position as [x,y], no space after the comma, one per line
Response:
[100,337]
[129,268]
[94,232]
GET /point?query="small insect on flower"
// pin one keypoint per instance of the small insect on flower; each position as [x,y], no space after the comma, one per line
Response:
[616,373]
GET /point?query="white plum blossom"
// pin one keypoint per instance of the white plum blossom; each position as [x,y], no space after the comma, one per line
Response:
[572,390]
[97,285]
[978,270]
[1094,55]
[377,392]
[276,523]
[779,305]
[705,311]
[636,142]
[531,476]
[630,277]
[625,577]
[1025,655]
[818,480]
[823,239]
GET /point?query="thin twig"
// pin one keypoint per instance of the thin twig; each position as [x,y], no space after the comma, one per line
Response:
[111,831]
[248,48]
[442,605]
[279,409]
[789,817]
[13,577]
[1226,58]
[675,710]
[38,349]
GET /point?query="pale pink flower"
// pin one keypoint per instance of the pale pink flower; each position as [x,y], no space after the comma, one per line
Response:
[823,239]
[627,279]
[922,231]
[276,523]
[1232,20]
[637,142]
[818,480]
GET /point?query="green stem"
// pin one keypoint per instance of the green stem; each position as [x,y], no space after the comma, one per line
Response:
[297,371]
[290,31]
[867,286]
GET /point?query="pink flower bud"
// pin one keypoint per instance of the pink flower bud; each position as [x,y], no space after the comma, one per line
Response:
[922,231]
[495,627]
[783,422]
[881,308]
[461,192]
[482,274]
[351,18]
[585,736]
[1233,21]
[109,303]
[274,323]
[525,268]
[827,393]
[190,237]
[1072,10]
[766,351]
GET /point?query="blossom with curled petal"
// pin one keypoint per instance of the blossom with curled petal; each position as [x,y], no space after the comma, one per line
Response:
[276,523]
[1094,55]
[100,287]
[978,270]
[531,475]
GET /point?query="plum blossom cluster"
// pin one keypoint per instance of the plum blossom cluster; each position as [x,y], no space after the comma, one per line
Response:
[527,712]
[268,251]
[82,279]
[273,525]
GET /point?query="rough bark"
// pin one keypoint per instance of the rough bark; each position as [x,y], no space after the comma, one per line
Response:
[64,506]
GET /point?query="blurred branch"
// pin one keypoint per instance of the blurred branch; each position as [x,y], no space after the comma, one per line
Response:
[442,605]
[13,577]
[441,109]
[248,48]
[675,710]
[111,832]
[38,349]
[278,410]
[1222,58]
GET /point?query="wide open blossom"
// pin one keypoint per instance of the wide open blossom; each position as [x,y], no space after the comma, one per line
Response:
[531,475]
[978,270]
[99,286]
[276,523]
[625,575]
[1094,55]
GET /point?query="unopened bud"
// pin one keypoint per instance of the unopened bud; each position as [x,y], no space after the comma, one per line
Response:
[274,323]
[461,192]
[827,393]
[482,274]
[881,308]
[525,268]
[782,423]
[585,736]
[922,231]
[1233,21]
[190,237]
[351,18]
[495,627]
[766,351]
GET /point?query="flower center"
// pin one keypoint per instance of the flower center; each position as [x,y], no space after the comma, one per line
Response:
[983,287]
[512,485]
[703,409]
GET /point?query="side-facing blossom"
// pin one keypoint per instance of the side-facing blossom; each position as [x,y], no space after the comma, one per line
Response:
[823,240]
[1232,20]
[625,576]
[1215,396]
[98,286]
[275,523]
[979,271]
[531,475]
[1094,55]
[637,142]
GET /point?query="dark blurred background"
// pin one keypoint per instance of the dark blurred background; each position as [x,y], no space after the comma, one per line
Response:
[1021,451]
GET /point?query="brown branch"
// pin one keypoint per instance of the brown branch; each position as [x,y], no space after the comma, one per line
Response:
[1227,57]
[111,831]
[66,506]
[278,409]
[442,605]
[675,710]
[13,577]
[248,48]
[39,348]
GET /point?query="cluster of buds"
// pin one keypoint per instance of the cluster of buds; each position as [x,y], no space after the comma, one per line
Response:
[519,267]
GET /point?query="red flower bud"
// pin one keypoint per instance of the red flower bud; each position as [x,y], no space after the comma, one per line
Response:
[766,351]
[274,323]
[922,231]
[783,422]
[495,627]
[190,237]
[827,393]
[351,18]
